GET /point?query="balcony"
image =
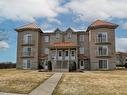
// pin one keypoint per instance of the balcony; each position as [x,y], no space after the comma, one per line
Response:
[102,42]
[27,54]
[29,43]
[100,55]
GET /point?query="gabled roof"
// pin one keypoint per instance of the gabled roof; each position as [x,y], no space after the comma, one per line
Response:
[69,30]
[102,24]
[57,30]
[28,26]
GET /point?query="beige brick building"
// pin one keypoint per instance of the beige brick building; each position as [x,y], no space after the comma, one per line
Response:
[69,50]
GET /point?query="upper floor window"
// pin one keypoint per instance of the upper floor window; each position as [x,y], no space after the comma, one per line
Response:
[28,38]
[27,51]
[102,37]
[69,35]
[60,53]
[46,38]
[72,53]
[57,35]
[81,37]
[46,51]
[81,50]
[103,50]
[66,53]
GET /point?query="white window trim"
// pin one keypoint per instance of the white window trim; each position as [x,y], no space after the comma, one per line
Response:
[104,46]
[26,52]
[69,35]
[25,39]
[46,51]
[25,63]
[81,38]
[46,38]
[103,33]
[80,50]
[107,64]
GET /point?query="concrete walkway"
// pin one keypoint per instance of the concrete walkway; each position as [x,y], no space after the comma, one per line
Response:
[45,88]
[48,86]
[2,93]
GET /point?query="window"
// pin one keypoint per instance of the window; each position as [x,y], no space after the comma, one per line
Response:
[46,51]
[28,38]
[81,50]
[27,51]
[66,53]
[72,53]
[46,38]
[60,53]
[102,37]
[82,63]
[57,35]
[103,64]
[69,35]
[102,51]
[26,64]
[81,37]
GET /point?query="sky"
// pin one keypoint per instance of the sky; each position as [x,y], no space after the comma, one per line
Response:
[50,14]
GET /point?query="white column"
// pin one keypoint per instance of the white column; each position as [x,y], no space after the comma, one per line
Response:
[68,58]
[56,58]
[76,58]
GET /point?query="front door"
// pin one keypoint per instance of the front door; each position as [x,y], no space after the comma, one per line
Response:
[82,64]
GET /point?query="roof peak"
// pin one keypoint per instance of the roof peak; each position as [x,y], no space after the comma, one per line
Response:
[30,25]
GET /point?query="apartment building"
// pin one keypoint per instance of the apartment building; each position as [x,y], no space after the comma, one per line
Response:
[69,50]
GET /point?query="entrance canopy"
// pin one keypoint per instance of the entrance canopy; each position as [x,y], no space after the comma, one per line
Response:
[63,45]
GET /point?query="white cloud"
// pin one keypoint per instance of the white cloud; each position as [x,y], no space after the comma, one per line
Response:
[121,44]
[98,9]
[30,9]
[124,26]
[4,44]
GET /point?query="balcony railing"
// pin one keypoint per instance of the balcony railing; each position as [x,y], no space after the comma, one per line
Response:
[102,41]
[29,43]
[27,54]
[98,54]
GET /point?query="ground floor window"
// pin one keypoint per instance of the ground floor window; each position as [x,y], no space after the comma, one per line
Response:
[26,63]
[103,64]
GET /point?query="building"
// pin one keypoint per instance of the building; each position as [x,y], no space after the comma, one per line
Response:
[93,49]
[121,58]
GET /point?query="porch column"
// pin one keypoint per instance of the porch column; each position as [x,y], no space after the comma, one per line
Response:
[49,55]
[68,58]
[56,59]
[76,56]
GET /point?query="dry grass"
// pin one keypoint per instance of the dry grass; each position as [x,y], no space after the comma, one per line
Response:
[93,83]
[21,81]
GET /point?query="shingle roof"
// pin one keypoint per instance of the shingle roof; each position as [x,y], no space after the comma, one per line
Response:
[63,44]
[31,25]
[28,26]
[101,23]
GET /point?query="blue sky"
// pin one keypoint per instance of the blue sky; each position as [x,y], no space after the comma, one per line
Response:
[50,14]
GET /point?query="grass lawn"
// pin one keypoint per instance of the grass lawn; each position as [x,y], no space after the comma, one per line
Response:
[93,83]
[21,81]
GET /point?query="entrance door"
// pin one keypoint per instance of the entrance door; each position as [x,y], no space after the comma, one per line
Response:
[82,64]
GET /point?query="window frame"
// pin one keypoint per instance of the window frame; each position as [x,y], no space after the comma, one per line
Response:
[102,48]
[103,37]
[81,50]
[81,38]
[103,65]
[26,38]
[46,38]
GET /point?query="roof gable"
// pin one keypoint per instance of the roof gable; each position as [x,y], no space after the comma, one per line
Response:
[102,24]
